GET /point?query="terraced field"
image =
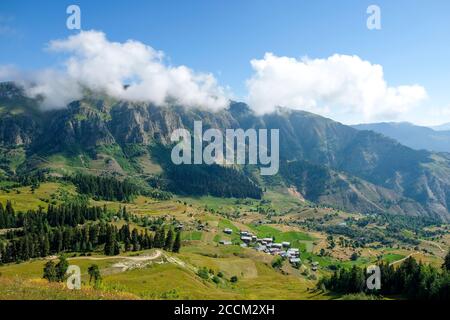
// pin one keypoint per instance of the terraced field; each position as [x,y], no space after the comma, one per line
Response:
[176,276]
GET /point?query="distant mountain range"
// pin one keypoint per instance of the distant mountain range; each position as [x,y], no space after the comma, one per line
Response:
[413,136]
[328,163]
[442,127]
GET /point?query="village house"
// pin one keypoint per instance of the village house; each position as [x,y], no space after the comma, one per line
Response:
[228,231]
[267,245]
[274,251]
[293,252]
[277,245]
[246,239]
[225,242]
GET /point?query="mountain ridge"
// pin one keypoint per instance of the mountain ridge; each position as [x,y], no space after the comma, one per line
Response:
[413,136]
[442,127]
[328,162]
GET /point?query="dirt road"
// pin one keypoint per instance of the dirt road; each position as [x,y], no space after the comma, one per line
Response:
[401,260]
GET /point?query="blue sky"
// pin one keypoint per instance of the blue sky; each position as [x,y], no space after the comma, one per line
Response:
[222,37]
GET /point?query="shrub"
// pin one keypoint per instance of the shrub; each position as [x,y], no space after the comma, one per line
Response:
[277,263]
[203,273]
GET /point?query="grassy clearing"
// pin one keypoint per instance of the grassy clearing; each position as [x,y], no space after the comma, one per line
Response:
[282,201]
[257,280]
[272,285]
[392,257]
[24,199]
[221,205]
[191,235]
[40,289]
[167,281]
[227,224]
[296,238]
[34,268]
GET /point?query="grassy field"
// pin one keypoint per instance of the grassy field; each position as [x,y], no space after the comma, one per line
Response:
[24,198]
[297,239]
[192,236]
[257,280]
[40,289]
[174,276]
[391,257]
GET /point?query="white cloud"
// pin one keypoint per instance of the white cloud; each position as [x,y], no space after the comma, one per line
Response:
[339,85]
[55,87]
[98,64]
[345,88]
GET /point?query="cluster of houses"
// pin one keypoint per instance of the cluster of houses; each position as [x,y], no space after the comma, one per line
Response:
[267,245]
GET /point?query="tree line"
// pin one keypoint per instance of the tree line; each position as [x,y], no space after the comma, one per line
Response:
[411,280]
[75,228]
[112,189]
[105,188]
[7,216]
[211,180]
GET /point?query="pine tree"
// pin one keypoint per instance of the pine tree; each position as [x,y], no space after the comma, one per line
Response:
[61,268]
[446,264]
[50,272]
[169,241]
[109,242]
[159,238]
[135,240]
[3,220]
[116,248]
[94,274]
[177,243]
[45,246]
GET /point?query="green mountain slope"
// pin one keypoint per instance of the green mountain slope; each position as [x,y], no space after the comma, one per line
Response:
[326,161]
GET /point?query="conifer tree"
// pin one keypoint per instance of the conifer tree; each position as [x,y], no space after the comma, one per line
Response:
[94,274]
[50,272]
[446,264]
[169,241]
[177,243]
[61,268]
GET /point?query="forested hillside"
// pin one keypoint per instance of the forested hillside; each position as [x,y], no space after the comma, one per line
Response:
[359,171]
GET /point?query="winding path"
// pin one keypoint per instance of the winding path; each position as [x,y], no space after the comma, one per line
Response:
[401,260]
[154,256]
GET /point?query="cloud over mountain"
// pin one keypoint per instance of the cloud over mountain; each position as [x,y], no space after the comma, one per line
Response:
[340,84]
[99,64]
